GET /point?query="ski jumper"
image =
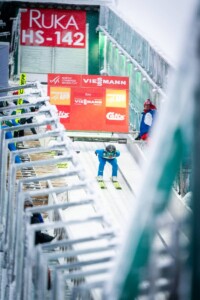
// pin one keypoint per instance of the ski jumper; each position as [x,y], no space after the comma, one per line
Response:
[104,158]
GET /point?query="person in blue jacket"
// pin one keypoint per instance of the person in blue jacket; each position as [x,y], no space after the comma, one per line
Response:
[11,146]
[148,116]
[109,155]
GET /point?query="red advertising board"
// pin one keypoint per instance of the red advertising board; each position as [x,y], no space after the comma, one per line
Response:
[53,28]
[90,102]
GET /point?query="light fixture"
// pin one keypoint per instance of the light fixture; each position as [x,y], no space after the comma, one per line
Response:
[136,68]
[144,79]
[154,90]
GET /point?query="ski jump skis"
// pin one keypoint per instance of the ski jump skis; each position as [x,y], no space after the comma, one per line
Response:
[102,184]
[116,184]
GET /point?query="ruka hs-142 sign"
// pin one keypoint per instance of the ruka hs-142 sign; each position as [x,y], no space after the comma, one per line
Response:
[53,28]
[90,102]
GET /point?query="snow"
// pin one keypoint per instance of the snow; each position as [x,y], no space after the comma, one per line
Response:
[163,23]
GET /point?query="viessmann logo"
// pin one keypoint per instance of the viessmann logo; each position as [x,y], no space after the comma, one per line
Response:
[101,81]
[86,102]
[112,116]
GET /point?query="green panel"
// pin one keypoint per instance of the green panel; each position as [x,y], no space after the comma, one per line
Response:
[118,65]
[93,49]
[138,89]
[16,57]
[102,41]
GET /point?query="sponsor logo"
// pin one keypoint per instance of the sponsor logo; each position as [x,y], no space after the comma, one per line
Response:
[63,115]
[60,95]
[86,102]
[115,98]
[100,81]
[55,80]
[112,116]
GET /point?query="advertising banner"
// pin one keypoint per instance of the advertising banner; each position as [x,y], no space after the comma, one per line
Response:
[90,102]
[53,28]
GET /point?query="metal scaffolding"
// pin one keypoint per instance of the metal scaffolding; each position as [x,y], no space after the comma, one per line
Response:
[24,265]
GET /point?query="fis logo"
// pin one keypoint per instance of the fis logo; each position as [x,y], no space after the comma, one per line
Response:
[112,116]
[55,80]
[63,115]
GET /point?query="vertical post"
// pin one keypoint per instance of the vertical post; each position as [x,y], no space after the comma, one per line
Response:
[4,63]
[4,76]
[196,171]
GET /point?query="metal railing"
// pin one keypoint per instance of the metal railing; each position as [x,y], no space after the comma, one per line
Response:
[25,266]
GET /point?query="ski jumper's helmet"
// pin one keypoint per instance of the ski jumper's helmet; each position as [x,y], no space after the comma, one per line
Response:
[110,148]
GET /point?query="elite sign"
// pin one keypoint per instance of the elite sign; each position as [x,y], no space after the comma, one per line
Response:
[53,28]
[90,102]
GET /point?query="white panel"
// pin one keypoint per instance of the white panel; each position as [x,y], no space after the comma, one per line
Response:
[35,59]
[71,61]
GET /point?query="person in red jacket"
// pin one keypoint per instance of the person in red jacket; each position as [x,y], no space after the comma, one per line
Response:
[148,117]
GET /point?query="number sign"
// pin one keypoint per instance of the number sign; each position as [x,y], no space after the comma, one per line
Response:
[53,28]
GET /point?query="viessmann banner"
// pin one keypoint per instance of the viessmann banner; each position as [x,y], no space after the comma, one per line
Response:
[53,28]
[90,102]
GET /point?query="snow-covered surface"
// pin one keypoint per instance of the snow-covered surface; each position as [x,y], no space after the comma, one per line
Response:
[163,23]
[115,204]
